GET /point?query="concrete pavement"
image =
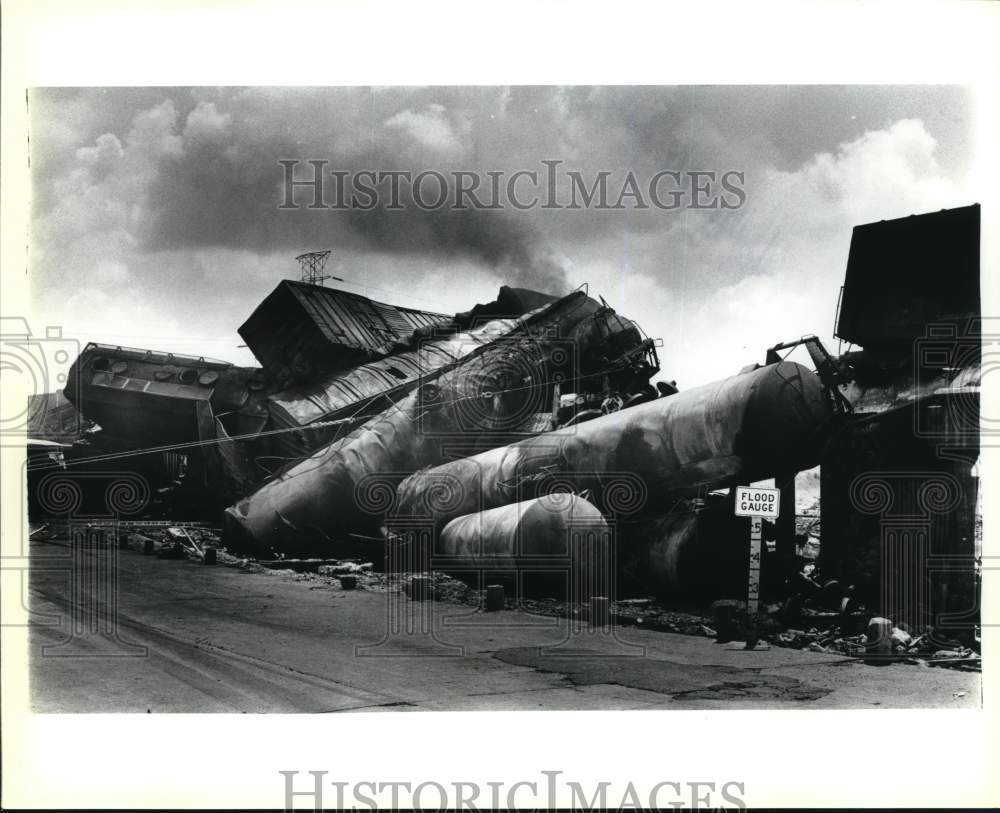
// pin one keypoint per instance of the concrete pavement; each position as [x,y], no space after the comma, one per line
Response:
[178,636]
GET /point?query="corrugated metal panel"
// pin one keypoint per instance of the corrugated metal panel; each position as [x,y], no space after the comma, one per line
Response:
[281,335]
[395,323]
[354,320]
[389,376]
[417,319]
[341,318]
[300,331]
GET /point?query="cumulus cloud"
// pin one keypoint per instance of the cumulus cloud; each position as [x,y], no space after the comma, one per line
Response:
[159,199]
[774,269]
[104,155]
[430,127]
[206,125]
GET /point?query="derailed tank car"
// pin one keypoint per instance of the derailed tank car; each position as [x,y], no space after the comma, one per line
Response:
[559,543]
[741,429]
[505,389]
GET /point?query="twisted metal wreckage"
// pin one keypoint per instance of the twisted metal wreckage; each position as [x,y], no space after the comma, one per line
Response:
[492,434]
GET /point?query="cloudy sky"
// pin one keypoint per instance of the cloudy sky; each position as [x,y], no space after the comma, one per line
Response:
[155,219]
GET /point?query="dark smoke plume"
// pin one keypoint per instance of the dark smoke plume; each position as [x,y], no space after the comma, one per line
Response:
[201,199]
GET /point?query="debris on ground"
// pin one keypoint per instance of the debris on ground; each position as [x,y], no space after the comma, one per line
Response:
[344,567]
[902,646]
[826,631]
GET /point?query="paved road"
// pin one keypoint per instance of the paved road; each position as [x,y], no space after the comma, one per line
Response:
[191,638]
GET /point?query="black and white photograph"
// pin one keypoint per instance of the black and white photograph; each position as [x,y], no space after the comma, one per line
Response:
[636,397]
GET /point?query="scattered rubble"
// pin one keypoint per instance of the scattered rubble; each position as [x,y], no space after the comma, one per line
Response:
[902,647]
[726,620]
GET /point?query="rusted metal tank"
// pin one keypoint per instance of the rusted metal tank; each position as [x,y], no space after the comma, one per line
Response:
[741,429]
[561,536]
[347,486]
[494,393]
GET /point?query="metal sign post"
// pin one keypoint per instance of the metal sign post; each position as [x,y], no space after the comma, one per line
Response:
[753,576]
[758,504]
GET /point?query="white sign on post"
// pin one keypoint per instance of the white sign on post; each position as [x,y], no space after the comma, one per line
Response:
[758,504]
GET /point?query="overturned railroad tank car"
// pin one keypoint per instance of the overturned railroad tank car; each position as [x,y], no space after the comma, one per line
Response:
[310,413]
[339,488]
[558,542]
[503,389]
[738,430]
[229,424]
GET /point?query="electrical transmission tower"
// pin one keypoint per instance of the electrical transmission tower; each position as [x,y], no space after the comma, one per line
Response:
[311,265]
